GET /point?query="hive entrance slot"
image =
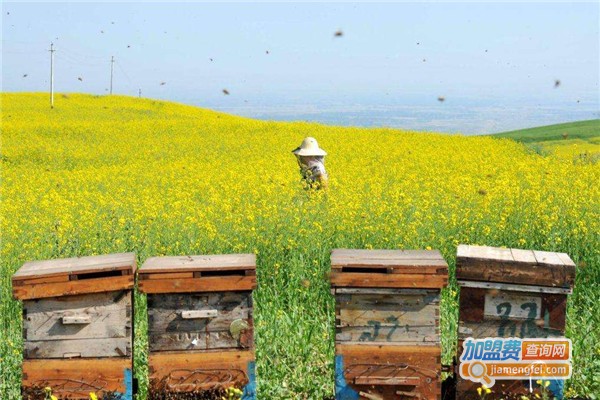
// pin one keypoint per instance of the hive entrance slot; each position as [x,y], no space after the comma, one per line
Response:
[95,275]
[223,273]
[365,270]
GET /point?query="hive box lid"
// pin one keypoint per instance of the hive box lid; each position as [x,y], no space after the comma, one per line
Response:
[388,268]
[199,273]
[526,267]
[77,275]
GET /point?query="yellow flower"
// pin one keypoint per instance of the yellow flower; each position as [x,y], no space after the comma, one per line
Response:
[101,175]
[93,396]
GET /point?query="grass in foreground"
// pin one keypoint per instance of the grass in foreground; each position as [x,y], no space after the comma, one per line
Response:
[113,174]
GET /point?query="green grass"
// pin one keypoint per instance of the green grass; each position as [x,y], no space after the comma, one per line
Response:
[583,130]
[577,141]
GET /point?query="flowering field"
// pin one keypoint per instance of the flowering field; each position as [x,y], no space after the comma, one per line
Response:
[105,174]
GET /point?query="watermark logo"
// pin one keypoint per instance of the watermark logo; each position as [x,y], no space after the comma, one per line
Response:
[490,359]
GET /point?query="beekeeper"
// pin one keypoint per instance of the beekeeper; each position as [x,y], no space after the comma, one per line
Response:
[311,159]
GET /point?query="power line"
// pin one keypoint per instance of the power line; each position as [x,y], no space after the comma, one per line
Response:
[82,55]
[125,74]
[73,61]
[82,60]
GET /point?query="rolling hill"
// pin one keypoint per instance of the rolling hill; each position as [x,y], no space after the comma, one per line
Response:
[580,139]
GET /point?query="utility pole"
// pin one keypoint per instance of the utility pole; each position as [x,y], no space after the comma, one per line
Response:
[139,92]
[52,75]
[112,63]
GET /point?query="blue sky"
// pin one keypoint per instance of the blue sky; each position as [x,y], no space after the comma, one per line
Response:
[389,54]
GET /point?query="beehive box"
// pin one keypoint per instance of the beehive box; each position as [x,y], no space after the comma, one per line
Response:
[200,323]
[511,293]
[387,323]
[77,326]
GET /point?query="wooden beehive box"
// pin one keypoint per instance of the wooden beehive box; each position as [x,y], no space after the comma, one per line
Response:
[200,322]
[510,293]
[77,326]
[387,323]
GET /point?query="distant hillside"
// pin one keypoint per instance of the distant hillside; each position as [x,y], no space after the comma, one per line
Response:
[576,140]
[573,130]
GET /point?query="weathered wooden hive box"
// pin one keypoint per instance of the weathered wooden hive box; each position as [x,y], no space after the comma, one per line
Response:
[387,323]
[200,322]
[511,293]
[77,326]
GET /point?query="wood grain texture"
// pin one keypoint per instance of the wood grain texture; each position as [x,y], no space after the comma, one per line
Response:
[382,371]
[514,288]
[165,310]
[195,341]
[386,317]
[548,258]
[43,279]
[191,371]
[484,253]
[76,265]
[76,378]
[222,262]
[386,254]
[386,335]
[527,267]
[512,305]
[381,280]
[554,310]
[471,304]
[538,275]
[81,348]
[518,314]
[109,315]
[523,256]
[389,261]
[166,275]
[417,267]
[389,316]
[169,330]
[201,284]
[98,285]
[380,292]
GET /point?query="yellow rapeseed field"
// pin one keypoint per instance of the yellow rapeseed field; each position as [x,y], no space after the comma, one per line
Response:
[103,174]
